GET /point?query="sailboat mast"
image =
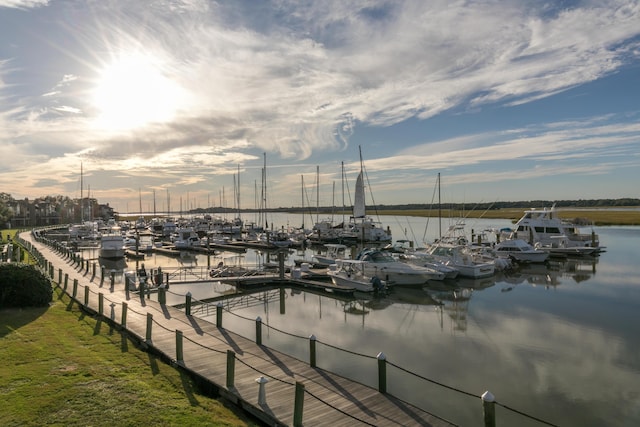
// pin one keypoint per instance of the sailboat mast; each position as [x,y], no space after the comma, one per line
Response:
[238,191]
[317,193]
[439,210]
[81,195]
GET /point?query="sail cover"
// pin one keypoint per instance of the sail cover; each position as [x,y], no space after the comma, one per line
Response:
[358,204]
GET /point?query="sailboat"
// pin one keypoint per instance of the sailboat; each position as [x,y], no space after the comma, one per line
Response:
[362,228]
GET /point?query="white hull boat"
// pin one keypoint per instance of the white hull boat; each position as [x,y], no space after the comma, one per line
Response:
[112,246]
[394,272]
[351,273]
[520,250]
[544,228]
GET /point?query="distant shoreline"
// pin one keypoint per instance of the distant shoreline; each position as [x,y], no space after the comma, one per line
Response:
[600,216]
[586,216]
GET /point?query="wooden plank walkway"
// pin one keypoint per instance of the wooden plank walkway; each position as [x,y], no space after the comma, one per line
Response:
[329,399]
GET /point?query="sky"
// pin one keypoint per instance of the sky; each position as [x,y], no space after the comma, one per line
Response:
[186,104]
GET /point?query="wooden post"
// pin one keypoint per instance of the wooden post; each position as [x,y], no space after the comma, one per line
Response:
[162,295]
[298,405]
[259,330]
[112,276]
[126,286]
[231,368]
[75,288]
[101,275]
[489,409]
[59,276]
[312,351]
[66,280]
[219,307]
[281,264]
[149,323]
[382,372]
[93,271]
[179,355]
[124,314]
[187,304]
[100,303]
[86,295]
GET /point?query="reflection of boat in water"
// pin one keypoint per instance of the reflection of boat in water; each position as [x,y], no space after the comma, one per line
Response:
[454,302]
[553,272]
[412,295]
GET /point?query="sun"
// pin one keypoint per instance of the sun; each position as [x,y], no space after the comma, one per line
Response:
[134,91]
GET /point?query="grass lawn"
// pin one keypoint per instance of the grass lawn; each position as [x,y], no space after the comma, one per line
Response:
[62,367]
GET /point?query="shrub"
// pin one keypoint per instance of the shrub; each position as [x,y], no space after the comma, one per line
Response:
[22,285]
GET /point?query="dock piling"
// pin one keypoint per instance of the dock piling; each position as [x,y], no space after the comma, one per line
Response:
[489,409]
[382,372]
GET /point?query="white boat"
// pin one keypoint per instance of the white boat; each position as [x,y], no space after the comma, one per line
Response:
[112,244]
[394,272]
[544,228]
[421,257]
[186,238]
[459,257]
[362,228]
[520,250]
[334,251]
[351,273]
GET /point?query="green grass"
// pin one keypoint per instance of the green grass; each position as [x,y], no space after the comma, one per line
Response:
[59,366]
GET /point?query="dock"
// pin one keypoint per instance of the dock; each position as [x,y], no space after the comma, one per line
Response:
[278,389]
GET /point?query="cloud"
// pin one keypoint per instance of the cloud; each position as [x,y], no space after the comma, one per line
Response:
[297,79]
[23,4]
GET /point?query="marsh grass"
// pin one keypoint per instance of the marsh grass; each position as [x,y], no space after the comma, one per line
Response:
[62,367]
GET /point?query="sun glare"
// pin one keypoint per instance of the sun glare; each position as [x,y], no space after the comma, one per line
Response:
[132,92]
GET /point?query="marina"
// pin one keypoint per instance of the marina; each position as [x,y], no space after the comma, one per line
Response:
[525,325]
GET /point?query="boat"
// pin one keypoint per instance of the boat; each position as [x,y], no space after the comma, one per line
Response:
[334,251]
[351,273]
[362,228]
[545,229]
[112,244]
[420,256]
[520,251]
[395,272]
[186,238]
[460,257]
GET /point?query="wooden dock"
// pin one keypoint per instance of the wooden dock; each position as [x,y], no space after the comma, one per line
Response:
[214,354]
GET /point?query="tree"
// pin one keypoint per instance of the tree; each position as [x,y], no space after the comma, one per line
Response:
[5,213]
[23,285]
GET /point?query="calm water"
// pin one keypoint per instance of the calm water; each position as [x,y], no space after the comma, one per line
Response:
[559,343]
